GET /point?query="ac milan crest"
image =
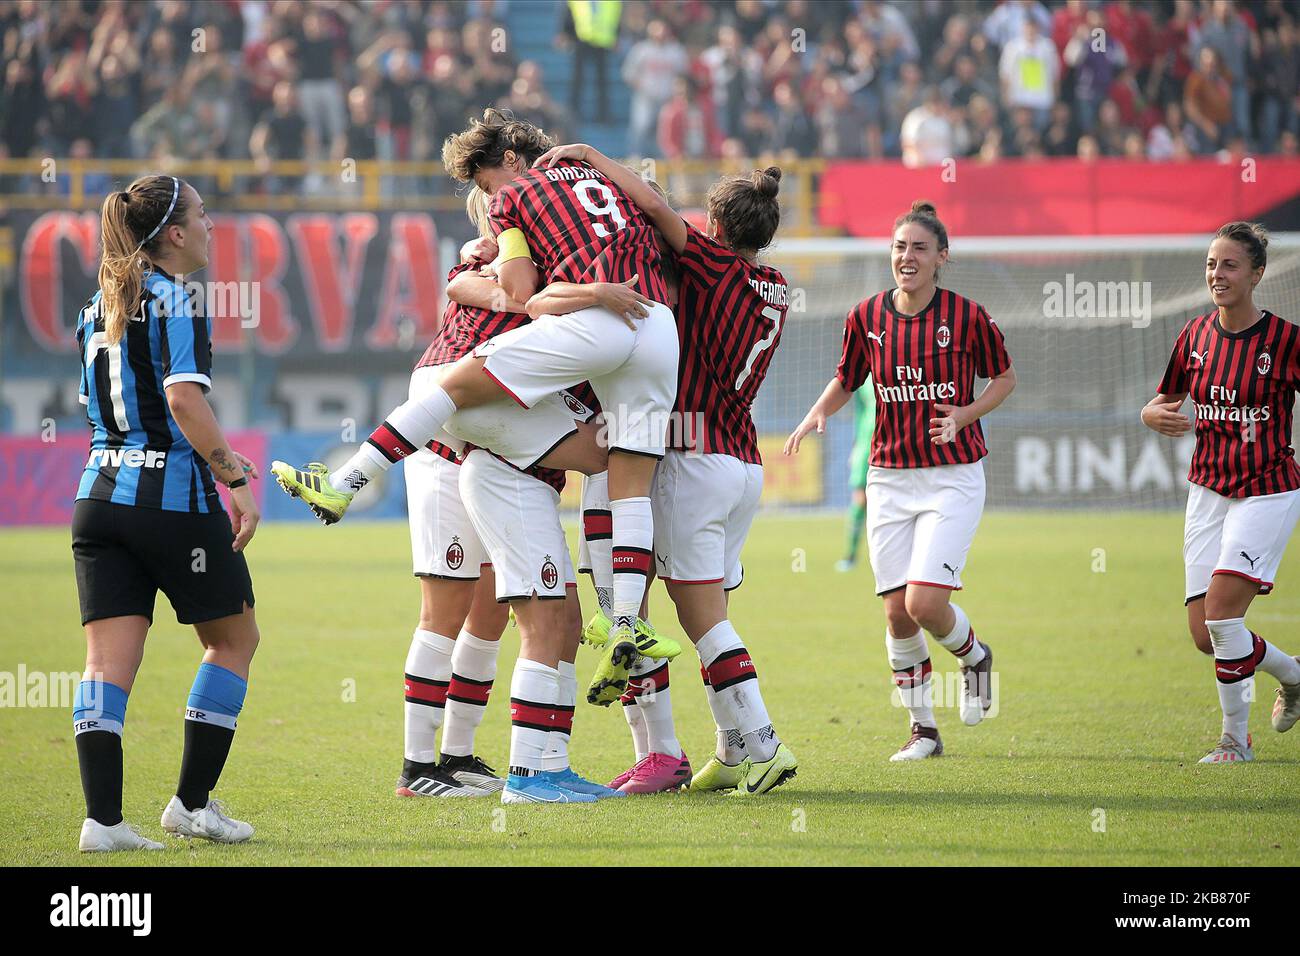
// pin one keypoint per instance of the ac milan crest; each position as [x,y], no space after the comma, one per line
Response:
[1263,363]
[943,336]
[455,553]
[575,406]
[550,575]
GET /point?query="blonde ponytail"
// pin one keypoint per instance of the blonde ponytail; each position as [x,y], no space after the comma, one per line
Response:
[130,228]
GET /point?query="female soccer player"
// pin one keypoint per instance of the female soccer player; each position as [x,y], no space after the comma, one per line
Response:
[147,515]
[923,346]
[730,313]
[1241,366]
[864,424]
[580,229]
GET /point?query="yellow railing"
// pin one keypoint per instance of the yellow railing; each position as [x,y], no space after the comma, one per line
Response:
[285,185]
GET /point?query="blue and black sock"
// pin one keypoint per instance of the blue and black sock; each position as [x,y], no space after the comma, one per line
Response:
[98,713]
[210,714]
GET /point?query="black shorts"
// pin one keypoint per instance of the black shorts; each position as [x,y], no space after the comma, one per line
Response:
[124,555]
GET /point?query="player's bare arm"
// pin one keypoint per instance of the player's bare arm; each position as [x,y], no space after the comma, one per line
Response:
[620,298]
[833,398]
[663,216]
[1161,415]
[519,278]
[477,291]
[953,418]
[194,417]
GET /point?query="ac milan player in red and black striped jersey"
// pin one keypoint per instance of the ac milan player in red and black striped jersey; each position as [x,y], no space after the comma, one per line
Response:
[923,347]
[730,312]
[1240,365]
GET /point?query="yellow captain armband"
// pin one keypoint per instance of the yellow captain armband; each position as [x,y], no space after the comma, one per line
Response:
[512,244]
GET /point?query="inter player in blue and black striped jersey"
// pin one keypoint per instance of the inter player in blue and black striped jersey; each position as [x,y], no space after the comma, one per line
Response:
[147,515]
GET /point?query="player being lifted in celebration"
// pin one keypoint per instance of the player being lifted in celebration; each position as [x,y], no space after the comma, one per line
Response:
[923,347]
[582,229]
[148,517]
[730,314]
[1240,365]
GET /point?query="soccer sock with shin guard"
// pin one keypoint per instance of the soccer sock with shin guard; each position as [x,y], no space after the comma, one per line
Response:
[211,713]
[1234,670]
[428,675]
[735,684]
[473,669]
[98,715]
[909,659]
[632,543]
[598,531]
[408,428]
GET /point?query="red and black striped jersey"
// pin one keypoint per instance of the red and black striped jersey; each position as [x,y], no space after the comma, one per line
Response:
[730,314]
[465,327]
[580,227]
[916,362]
[1243,387]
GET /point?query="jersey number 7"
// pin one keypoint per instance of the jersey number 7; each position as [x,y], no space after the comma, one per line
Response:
[762,345]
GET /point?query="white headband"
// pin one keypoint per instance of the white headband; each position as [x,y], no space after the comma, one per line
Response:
[176,191]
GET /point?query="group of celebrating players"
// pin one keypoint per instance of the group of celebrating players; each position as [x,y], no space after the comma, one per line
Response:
[590,328]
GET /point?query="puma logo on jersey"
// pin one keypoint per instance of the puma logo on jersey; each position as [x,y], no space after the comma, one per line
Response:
[1198,358]
[879,339]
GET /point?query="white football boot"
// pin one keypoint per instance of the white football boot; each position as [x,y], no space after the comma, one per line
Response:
[1229,751]
[923,743]
[1286,709]
[206,823]
[97,838]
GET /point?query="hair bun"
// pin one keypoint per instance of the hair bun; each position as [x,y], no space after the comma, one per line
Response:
[924,207]
[768,181]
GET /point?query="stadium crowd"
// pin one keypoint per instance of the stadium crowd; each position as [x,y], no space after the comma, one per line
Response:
[390,79]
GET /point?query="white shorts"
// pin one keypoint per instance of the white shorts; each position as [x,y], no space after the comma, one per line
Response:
[1242,536]
[921,522]
[444,543]
[518,519]
[634,373]
[703,507]
[522,436]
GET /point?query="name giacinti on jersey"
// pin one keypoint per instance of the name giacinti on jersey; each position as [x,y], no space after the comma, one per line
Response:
[127,458]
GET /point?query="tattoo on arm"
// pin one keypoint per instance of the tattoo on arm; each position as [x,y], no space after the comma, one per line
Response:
[221,461]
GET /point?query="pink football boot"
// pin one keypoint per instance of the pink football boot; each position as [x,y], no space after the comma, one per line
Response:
[656,774]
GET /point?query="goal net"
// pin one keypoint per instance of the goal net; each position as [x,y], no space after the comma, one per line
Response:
[1089,323]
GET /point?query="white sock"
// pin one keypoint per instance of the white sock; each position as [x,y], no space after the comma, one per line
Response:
[730,745]
[428,672]
[632,544]
[597,531]
[534,692]
[656,706]
[408,428]
[961,640]
[1234,668]
[556,756]
[1276,661]
[909,659]
[636,724]
[473,670]
[735,682]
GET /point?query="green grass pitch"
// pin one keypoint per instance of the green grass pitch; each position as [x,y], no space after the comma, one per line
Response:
[1105,708]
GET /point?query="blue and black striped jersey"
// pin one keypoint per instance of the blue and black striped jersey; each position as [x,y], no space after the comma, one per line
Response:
[138,455]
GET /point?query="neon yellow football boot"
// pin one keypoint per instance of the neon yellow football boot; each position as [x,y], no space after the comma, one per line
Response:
[616,660]
[716,775]
[648,641]
[760,777]
[311,484]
